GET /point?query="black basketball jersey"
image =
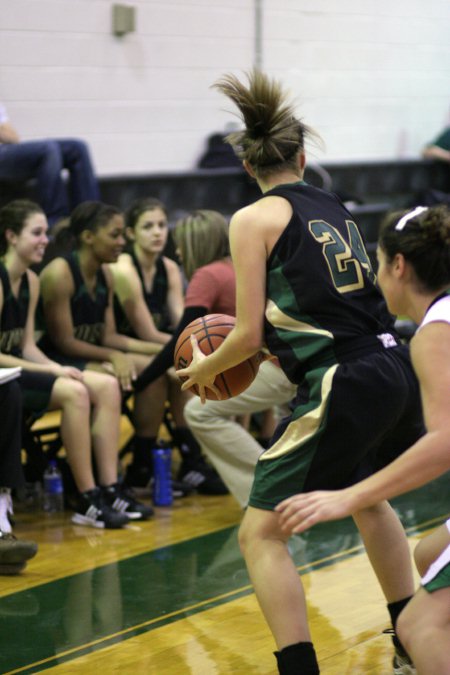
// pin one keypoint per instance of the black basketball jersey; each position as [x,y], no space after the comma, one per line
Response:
[88,311]
[156,299]
[14,314]
[322,298]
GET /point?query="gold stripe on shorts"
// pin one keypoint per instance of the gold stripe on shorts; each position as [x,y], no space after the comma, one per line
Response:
[305,427]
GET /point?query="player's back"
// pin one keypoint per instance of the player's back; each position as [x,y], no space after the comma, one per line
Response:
[321,291]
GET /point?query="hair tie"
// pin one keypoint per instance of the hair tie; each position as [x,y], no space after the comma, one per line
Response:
[415,212]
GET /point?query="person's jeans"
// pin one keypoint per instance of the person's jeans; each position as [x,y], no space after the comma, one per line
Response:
[44,161]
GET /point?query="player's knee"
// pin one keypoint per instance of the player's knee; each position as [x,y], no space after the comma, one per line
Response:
[73,394]
[107,390]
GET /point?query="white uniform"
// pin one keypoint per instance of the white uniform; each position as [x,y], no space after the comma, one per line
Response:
[439,311]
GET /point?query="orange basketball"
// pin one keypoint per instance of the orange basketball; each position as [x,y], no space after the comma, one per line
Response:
[210,331]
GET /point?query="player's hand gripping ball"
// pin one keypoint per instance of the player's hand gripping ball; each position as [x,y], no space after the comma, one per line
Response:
[210,331]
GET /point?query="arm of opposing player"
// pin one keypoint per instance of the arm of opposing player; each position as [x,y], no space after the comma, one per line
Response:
[421,463]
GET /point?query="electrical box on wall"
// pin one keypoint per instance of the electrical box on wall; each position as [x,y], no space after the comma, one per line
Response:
[123,19]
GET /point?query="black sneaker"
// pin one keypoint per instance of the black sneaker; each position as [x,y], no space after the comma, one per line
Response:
[202,477]
[121,499]
[14,553]
[401,663]
[94,511]
[140,480]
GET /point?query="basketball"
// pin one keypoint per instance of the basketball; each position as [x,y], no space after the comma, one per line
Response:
[210,331]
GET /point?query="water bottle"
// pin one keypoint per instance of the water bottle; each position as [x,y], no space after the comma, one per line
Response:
[53,488]
[162,473]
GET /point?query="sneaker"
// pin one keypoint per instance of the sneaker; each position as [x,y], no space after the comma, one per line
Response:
[6,510]
[202,477]
[402,665]
[95,512]
[140,480]
[121,499]
[14,553]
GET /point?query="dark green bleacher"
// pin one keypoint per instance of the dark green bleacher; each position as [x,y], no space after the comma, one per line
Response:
[370,188]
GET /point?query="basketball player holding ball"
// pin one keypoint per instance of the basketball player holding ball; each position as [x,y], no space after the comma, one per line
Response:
[210,331]
[305,287]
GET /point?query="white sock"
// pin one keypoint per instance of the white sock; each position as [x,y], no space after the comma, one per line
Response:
[5,509]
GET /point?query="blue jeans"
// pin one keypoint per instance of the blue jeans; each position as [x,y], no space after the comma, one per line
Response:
[44,161]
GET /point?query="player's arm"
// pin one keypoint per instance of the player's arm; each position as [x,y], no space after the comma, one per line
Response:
[128,288]
[175,299]
[424,461]
[164,360]
[57,288]
[111,338]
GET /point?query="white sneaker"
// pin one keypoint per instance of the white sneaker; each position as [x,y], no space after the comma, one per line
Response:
[403,665]
[6,509]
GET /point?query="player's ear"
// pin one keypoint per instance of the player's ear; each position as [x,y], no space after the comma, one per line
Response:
[248,169]
[399,265]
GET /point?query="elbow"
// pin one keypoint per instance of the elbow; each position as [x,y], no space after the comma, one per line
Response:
[250,340]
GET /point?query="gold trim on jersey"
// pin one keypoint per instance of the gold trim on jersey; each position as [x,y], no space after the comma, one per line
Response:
[279,319]
[305,427]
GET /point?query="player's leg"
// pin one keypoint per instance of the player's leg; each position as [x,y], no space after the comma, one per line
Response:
[424,629]
[431,546]
[279,591]
[72,398]
[105,398]
[387,547]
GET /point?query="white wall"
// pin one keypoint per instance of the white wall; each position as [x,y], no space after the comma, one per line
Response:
[373,77]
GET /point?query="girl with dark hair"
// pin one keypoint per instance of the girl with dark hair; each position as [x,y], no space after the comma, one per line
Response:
[148,286]
[305,288]
[49,385]
[414,275]
[148,303]
[80,330]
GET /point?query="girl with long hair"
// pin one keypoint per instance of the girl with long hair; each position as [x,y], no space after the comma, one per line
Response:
[306,289]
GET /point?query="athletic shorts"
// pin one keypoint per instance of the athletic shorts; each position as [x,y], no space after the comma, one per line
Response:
[438,574]
[347,421]
[36,391]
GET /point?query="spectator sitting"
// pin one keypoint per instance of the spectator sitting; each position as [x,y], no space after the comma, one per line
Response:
[44,160]
[14,553]
[148,302]
[77,303]
[48,385]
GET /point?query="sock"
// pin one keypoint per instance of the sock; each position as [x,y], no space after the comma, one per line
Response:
[394,609]
[142,450]
[186,442]
[297,659]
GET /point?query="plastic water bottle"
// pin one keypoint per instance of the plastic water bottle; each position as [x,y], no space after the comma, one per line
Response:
[162,473]
[53,488]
